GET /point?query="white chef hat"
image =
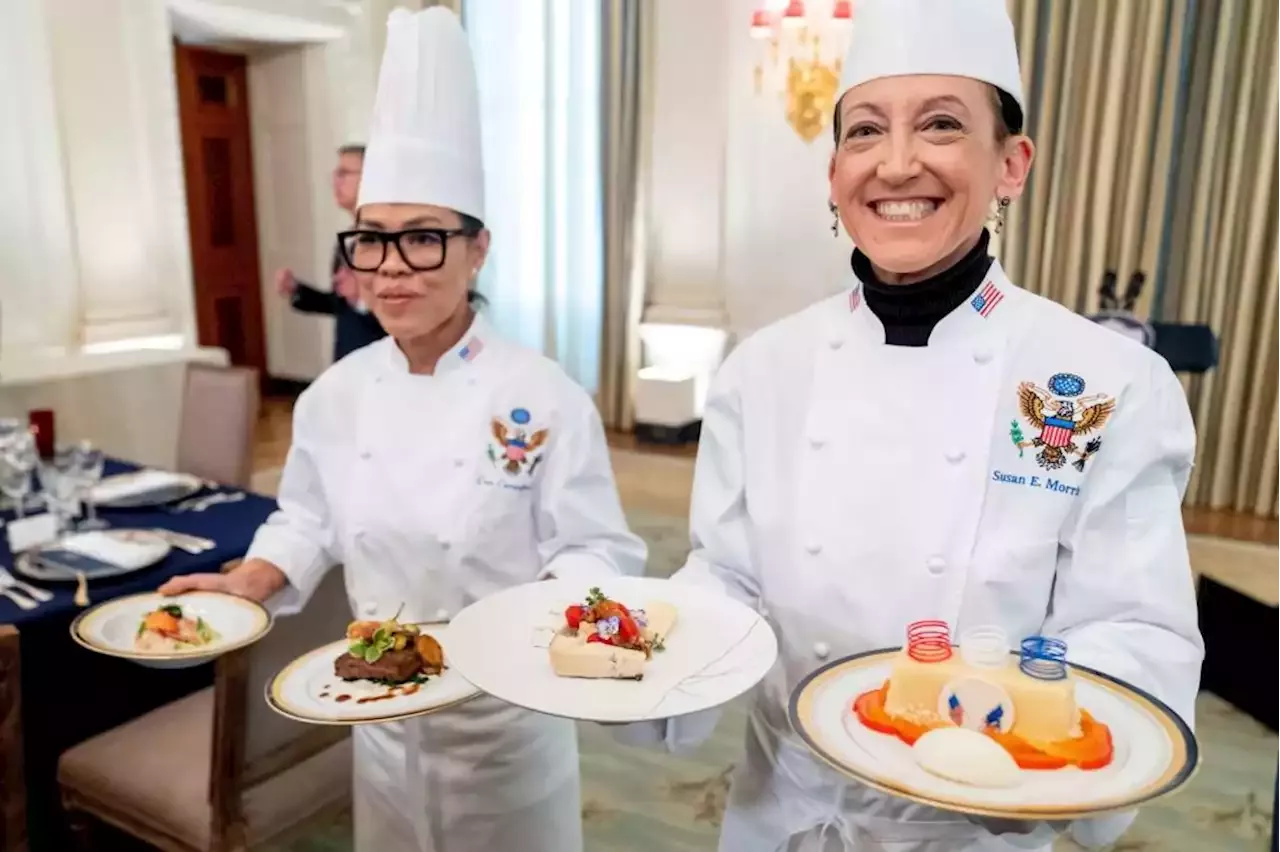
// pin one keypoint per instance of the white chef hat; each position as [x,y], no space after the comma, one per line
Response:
[424,142]
[959,38]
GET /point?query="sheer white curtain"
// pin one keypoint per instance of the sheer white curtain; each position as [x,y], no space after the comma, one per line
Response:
[538,67]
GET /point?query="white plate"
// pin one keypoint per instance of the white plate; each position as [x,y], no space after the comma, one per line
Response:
[139,489]
[118,552]
[307,689]
[1155,752]
[717,650]
[111,627]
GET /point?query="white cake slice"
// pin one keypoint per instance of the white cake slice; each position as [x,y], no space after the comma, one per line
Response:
[573,656]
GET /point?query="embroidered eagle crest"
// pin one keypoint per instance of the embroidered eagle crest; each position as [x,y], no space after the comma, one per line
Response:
[1061,414]
[518,449]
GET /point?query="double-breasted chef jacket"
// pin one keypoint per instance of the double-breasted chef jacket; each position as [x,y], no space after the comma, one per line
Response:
[434,492]
[1025,469]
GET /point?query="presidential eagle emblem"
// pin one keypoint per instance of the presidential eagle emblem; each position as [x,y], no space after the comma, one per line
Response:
[1061,414]
[516,448]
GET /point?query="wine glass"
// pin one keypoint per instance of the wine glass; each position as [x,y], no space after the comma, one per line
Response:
[17,460]
[89,470]
[60,479]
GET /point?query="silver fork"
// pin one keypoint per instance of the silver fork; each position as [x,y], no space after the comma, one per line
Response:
[35,592]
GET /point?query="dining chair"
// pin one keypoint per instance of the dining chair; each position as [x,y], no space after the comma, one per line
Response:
[217,771]
[219,416]
[13,787]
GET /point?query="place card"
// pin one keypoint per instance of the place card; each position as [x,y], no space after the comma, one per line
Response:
[32,531]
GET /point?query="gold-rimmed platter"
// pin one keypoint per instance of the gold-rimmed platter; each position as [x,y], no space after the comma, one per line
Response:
[113,627]
[1155,753]
[307,690]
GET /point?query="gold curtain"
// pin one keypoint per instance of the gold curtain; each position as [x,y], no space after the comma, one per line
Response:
[625,46]
[1155,123]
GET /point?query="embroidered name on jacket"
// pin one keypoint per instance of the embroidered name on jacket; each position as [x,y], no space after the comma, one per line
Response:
[1060,414]
[516,448]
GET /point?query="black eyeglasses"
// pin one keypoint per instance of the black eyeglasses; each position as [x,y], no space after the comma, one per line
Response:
[422,249]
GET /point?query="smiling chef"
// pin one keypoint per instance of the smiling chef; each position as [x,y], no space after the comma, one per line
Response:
[935,443]
[439,465]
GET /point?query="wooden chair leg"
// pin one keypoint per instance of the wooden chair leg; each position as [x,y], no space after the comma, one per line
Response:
[13,788]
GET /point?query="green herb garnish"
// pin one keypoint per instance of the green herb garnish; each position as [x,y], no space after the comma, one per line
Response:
[204,631]
[172,609]
[595,596]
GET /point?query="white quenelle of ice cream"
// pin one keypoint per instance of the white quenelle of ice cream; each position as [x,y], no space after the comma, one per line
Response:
[968,757]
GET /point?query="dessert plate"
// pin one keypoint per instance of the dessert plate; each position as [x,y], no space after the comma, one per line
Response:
[307,690]
[112,628]
[718,649]
[1155,752]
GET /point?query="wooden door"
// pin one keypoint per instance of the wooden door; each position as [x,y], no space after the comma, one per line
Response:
[213,106]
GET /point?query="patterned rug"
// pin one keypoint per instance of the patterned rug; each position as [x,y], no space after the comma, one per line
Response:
[640,801]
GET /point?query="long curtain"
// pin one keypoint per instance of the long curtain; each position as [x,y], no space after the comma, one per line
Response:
[1155,123]
[625,109]
[538,70]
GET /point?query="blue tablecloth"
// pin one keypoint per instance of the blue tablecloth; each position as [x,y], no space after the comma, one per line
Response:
[69,693]
[230,525]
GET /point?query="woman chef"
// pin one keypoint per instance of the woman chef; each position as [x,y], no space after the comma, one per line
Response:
[440,465]
[935,443]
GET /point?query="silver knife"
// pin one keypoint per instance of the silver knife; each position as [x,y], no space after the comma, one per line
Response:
[7,580]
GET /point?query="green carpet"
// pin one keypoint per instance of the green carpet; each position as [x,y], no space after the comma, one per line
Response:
[636,800]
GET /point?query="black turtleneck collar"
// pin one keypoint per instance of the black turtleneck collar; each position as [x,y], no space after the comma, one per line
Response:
[909,312]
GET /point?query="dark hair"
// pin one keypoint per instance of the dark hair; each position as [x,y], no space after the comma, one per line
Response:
[473,226]
[1008,116]
[351,148]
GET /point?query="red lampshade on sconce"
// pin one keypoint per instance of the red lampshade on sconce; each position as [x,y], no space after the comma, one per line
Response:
[761,24]
[793,15]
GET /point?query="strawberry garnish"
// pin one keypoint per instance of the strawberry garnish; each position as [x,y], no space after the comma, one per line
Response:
[575,614]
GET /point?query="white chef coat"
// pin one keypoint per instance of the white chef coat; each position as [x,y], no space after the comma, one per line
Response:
[404,480]
[846,488]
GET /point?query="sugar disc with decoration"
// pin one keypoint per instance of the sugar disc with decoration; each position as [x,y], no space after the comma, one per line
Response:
[1153,752]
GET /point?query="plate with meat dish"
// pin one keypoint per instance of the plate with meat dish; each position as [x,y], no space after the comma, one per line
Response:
[171,632]
[381,671]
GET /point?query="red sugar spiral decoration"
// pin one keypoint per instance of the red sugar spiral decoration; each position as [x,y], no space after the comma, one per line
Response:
[929,641]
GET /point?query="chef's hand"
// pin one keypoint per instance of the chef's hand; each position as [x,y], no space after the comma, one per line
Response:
[255,579]
[285,282]
[344,284]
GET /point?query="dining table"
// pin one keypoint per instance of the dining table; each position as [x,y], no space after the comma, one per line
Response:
[55,693]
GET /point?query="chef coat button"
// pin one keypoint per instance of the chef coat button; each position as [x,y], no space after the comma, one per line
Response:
[369,607]
[816,442]
[955,455]
[936,565]
[836,343]
[366,455]
[442,614]
[444,545]
[459,462]
[821,650]
[814,547]
[982,356]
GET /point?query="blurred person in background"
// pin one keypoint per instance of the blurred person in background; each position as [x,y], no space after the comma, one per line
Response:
[355,326]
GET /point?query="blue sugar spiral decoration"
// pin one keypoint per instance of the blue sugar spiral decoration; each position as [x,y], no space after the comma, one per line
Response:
[1044,658]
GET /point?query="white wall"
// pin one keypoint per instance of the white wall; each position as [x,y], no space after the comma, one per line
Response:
[739,201]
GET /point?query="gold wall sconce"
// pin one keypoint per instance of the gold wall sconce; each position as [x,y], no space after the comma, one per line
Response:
[801,48]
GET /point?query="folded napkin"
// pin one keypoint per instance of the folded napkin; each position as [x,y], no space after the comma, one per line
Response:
[137,483]
[116,550]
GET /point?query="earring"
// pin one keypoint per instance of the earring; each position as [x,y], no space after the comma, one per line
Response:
[1002,209]
[835,218]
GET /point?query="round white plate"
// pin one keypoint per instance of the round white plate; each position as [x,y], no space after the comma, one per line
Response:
[718,649]
[144,489]
[1155,752]
[110,628]
[57,562]
[308,691]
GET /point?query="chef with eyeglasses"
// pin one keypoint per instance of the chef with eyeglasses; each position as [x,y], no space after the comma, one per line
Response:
[440,465]
[934,443]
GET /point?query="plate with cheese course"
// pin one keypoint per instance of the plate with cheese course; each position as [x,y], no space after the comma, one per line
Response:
[380,671]
[984,728]
[625,649]
[171,632]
